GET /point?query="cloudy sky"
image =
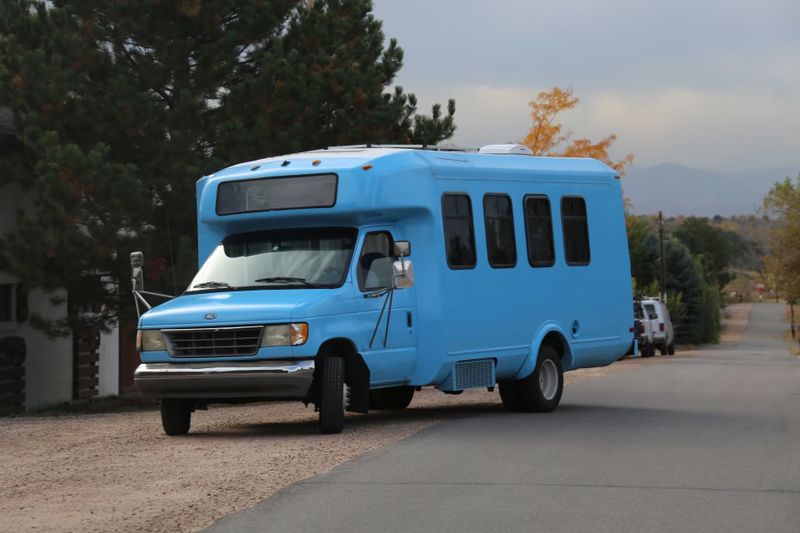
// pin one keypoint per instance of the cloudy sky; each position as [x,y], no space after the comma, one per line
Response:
[707,83]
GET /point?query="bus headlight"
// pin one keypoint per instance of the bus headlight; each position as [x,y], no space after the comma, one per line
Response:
[150,340]
[284,334]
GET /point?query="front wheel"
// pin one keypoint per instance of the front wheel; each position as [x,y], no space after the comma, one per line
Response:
[541,391]
[332,396]
[176,416]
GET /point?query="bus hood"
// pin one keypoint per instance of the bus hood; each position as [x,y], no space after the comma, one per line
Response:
[232,308]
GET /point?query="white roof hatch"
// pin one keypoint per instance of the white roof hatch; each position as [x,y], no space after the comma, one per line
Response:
[505,149]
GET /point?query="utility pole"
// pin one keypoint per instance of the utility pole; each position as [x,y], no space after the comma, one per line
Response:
[663,285]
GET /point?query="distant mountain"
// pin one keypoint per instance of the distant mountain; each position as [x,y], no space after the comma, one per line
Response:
[680,190]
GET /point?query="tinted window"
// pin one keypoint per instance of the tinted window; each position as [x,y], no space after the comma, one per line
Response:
[576,230]
[539,231]
[267,194]
[501,244]
[459,233]
[375,263]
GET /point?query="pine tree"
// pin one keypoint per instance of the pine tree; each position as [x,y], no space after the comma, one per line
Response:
[712,245]
[684,277]
[120,106]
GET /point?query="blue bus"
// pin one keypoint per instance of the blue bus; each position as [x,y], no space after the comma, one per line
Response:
[350,277]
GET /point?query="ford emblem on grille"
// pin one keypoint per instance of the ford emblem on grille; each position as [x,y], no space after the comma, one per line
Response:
[210,316]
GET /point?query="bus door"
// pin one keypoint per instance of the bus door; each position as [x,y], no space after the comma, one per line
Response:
[386,316]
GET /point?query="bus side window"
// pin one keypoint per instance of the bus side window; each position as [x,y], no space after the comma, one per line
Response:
[539,231]
[576,230]
[375,262]
[501,243]
[459,233]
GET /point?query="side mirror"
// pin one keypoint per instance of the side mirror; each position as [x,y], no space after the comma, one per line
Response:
[137,271]
[401,249]
[402,274]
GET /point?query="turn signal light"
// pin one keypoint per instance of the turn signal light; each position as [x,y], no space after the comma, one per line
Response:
[299,333]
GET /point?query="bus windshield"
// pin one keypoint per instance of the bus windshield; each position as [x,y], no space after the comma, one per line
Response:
[278,259]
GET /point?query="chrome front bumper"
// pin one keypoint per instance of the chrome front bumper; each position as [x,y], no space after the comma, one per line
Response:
[274,380]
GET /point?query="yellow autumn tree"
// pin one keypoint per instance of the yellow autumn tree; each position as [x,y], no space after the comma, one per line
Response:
[548,137]
[782,263]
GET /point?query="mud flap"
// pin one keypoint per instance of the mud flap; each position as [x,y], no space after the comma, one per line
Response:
[356,377]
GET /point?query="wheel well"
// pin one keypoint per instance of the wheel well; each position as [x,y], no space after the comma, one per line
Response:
[559,344]
[342,346]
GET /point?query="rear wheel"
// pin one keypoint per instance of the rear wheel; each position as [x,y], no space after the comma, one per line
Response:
[332,396]
[176,416]
[663,348]
[391,399]
[671,348]
[648,350]
[541,391]
[509,393]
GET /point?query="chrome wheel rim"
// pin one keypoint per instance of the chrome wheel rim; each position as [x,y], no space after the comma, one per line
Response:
[548,379]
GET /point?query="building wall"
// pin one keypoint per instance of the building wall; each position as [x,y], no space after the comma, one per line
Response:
[48,362]
[109,364]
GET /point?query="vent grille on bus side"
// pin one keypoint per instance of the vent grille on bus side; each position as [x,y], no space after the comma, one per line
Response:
[472,374]
[213,342]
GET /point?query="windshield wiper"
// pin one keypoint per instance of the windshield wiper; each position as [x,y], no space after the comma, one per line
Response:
[213,285]
[284,279]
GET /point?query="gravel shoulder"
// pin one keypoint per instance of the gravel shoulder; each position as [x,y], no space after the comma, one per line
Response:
[119,472]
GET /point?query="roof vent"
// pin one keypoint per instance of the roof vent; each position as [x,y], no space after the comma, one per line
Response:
[505,149]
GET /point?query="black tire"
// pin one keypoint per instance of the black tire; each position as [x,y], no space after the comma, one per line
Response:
[391,399]
[663,348]
[509,393]
[541,391]
[176,416]
[332,403]
[648,349]
[671,349]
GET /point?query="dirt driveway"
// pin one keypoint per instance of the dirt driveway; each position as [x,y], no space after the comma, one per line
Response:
[119,472]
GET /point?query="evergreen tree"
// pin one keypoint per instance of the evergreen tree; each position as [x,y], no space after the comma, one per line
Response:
[712,245]
[120,106]
[684,276]
[643,251]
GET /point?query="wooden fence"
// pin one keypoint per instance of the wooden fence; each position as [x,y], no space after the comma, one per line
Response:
[12,375]
[85,364]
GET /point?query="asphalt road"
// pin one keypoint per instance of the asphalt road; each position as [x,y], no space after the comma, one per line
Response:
[706,441]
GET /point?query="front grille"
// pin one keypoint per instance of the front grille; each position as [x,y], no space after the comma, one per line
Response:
[213,342]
